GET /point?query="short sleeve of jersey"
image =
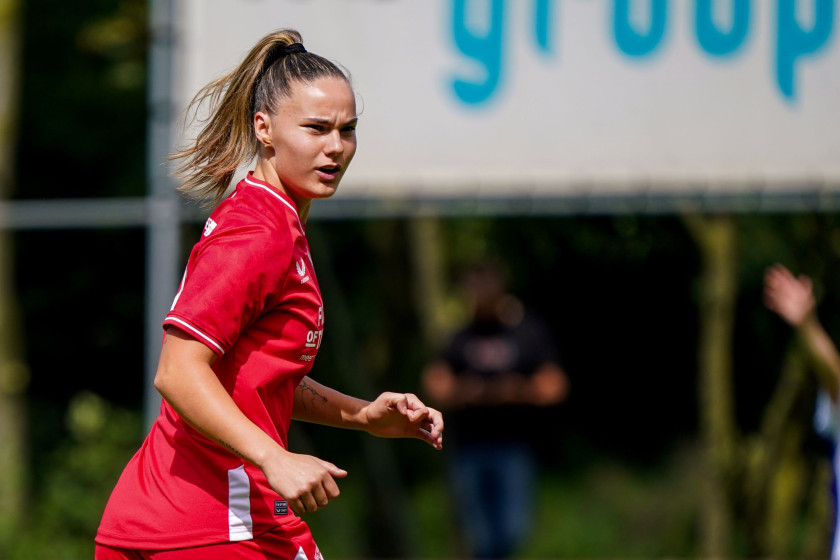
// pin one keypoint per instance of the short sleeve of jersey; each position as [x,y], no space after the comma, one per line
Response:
[229,282]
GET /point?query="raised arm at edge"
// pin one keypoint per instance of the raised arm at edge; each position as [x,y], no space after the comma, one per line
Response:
[823,352]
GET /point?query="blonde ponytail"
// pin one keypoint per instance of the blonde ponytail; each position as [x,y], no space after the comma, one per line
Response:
[259,83]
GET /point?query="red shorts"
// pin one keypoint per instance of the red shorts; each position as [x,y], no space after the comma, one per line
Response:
[270,545]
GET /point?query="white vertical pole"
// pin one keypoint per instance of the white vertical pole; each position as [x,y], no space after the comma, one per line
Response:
[163,218]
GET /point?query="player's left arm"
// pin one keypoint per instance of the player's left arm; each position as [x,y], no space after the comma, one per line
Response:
[391,415]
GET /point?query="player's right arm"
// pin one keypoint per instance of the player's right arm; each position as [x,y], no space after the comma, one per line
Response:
[793,299]
[187,381]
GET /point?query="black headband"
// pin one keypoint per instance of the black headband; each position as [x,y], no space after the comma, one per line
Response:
[278,51]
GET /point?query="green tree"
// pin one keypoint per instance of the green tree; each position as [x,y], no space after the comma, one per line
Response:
[13,372]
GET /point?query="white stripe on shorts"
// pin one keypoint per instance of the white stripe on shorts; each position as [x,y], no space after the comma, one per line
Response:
[240,525]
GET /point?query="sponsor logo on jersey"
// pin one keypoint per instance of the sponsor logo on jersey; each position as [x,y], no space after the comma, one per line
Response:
[301,270]
[209,226]
[313,338]
[281,507]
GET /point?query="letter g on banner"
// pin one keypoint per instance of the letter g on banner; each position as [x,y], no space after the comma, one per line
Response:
[484,48]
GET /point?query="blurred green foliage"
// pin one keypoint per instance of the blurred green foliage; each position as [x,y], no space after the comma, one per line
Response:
[68,493]
[83,129]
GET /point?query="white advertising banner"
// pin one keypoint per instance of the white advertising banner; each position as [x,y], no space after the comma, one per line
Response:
[560,97]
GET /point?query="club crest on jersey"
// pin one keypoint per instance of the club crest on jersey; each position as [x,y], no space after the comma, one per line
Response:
[301,270]
[209,226]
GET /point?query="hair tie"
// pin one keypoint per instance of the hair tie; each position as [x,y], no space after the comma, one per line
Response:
[278,51]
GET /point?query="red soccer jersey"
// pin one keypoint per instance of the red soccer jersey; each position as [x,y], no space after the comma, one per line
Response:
[250,294]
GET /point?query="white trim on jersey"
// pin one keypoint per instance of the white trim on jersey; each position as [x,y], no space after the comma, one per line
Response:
[301,555]
[191,329]
[240,525]
[278,197]
[180,289]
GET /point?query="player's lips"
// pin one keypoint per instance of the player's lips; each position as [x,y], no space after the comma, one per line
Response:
[329,172]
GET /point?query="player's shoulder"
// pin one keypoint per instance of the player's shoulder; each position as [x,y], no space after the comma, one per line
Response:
[254,195]
[258,208]
[240,228]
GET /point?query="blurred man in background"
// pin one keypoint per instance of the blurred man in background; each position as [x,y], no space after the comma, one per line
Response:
[494,378]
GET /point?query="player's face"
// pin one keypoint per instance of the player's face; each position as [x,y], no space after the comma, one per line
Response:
[312,139]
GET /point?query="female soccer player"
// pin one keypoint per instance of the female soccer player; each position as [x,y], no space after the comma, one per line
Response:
[214,477]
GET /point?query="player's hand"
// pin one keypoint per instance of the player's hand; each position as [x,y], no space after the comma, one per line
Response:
[791,297]
[305,482]
[394,415]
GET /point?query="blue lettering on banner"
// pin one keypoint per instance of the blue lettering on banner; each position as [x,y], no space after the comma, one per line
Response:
[486,49]
[793,41]
[631,41]
[486,46]
[717,42]
[542,17]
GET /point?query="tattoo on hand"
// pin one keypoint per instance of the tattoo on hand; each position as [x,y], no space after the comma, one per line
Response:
[314,395]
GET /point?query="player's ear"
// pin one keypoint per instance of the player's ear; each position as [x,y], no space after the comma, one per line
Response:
[262,128]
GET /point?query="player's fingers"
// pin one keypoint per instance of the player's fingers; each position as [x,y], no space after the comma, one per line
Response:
[415,408]
[296,505]
[437,422]
[320,497]
[432,426]
[401,404]
[418,415]
[431,430]
[435,440]
[310,503]
[404,407]
[332,469]
[331,489]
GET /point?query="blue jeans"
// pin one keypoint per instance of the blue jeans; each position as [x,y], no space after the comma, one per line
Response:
[493,486]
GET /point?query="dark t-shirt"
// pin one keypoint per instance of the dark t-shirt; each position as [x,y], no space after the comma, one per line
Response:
[490,349]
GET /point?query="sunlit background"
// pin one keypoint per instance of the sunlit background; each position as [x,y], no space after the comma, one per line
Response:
[636,164]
